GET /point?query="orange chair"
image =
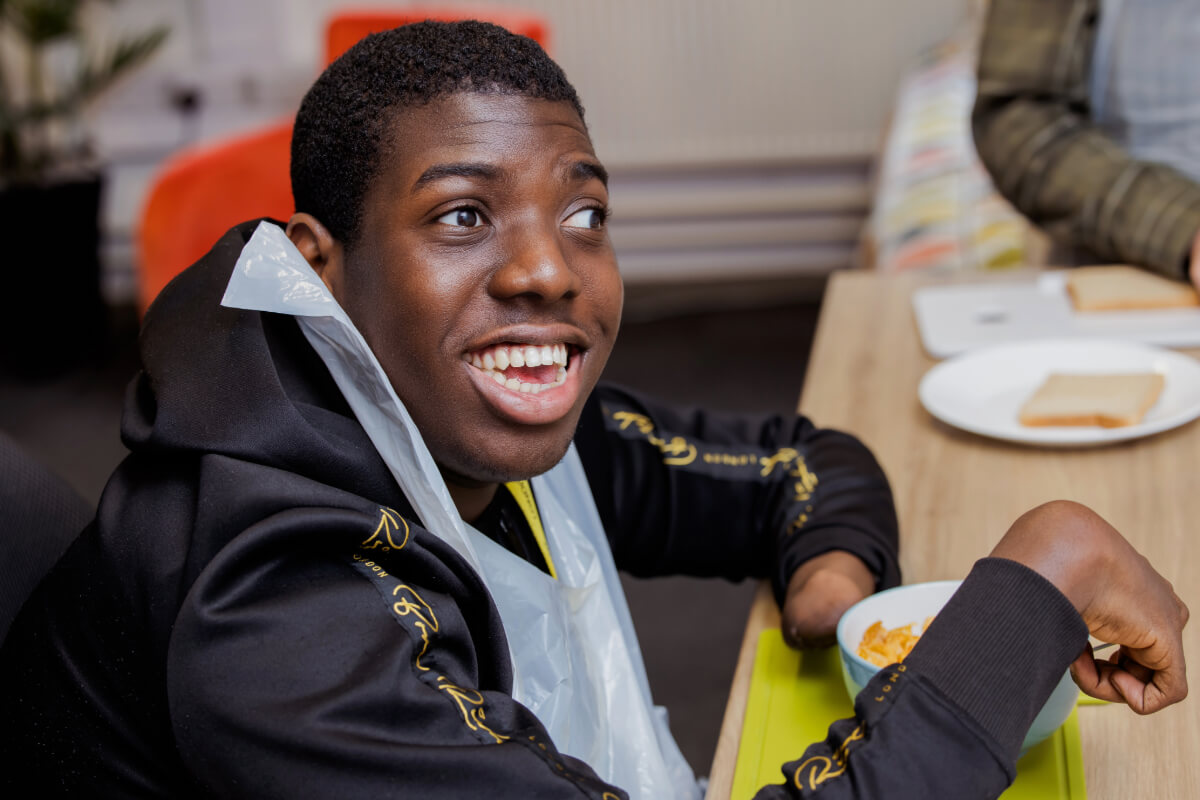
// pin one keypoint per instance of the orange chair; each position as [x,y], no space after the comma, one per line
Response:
[205,190]
[348,26]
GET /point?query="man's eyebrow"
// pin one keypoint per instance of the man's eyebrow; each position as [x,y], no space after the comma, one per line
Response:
[458,170]
[579,170]
[583,170]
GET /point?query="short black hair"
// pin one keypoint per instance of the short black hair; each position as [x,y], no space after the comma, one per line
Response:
[345,115]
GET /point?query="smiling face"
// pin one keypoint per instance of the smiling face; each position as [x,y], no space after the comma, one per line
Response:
[484,280]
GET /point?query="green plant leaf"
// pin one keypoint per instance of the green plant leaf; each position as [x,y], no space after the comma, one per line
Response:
[99,73]
[42,21]
[27,148]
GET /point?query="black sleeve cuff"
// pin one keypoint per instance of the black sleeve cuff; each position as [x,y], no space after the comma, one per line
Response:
[1000,646]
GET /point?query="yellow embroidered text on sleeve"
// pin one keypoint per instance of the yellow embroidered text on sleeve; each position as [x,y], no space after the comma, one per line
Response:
[391,535]
[815,770]
[676,451]
[470,703]
[389,522]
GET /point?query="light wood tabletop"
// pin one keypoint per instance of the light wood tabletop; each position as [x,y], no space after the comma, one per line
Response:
[957,493]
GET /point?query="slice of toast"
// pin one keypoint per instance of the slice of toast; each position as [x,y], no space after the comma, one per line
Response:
[1110,401]
[1117,287]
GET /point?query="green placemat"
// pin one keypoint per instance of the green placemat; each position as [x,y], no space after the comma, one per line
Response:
[795,696]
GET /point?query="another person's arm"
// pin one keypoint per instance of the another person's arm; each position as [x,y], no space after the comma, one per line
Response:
[1033,132]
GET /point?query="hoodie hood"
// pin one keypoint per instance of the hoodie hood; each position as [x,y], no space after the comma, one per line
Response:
[251,387]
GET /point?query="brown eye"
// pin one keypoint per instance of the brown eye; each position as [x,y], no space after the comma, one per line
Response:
[461,218]
[591,218]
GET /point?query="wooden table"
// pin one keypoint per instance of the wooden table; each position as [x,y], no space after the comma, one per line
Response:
[956,494]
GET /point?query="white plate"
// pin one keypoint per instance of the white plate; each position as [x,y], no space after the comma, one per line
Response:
[981,391]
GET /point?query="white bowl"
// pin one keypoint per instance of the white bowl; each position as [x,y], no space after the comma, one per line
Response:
[913,603]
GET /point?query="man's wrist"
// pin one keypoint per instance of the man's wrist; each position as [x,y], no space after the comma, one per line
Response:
[1063,542]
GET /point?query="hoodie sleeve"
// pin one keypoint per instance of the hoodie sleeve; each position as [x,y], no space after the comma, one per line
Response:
[379,670]
[706,494]
[949,721]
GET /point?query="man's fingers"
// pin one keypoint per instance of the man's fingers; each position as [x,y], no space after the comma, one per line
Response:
[1164,684]
[1124,660]
[1144,697]
[1123,679]
[1086,674]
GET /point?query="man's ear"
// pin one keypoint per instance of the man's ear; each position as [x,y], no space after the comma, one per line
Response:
[322,252]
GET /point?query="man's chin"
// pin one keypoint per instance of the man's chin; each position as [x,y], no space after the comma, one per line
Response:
[476,469]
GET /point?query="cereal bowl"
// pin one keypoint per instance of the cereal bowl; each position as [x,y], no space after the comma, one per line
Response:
[913,604]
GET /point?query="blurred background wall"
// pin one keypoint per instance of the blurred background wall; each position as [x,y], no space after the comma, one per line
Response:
[740,134]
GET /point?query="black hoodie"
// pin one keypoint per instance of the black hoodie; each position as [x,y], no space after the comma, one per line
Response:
[256,610]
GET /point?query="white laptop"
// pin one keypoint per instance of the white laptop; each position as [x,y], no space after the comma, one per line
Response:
[954,319]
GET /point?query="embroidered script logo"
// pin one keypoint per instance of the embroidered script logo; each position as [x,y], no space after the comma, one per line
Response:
[818,769]
[470,703]
[788,458]
[383,538]
[409,602]
[391,535]
[676,451]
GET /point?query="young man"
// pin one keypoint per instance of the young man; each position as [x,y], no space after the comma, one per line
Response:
[324,571]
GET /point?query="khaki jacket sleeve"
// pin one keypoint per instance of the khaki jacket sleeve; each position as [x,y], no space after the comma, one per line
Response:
[1033,132]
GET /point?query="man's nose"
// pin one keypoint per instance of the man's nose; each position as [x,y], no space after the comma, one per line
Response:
[535,266]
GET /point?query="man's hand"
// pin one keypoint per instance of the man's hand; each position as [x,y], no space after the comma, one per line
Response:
[818,594]
[1121,598]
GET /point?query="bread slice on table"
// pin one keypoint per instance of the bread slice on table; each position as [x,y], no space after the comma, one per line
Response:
[1117,287]
[1110,401]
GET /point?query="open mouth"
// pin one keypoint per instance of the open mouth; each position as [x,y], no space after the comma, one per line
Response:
[523,368]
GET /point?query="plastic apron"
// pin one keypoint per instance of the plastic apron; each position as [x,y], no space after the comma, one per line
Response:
[576,661]
[1145,80]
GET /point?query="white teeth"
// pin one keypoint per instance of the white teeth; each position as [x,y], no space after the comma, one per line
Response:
[495,360]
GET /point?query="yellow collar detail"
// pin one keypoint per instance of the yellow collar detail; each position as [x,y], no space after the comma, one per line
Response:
[522,492]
